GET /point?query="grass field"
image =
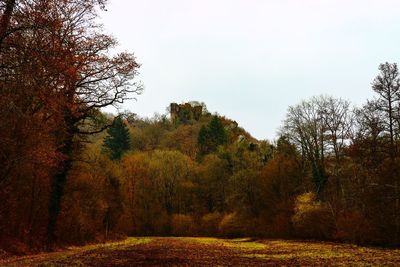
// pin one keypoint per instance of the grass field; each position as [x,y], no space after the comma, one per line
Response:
[212,252]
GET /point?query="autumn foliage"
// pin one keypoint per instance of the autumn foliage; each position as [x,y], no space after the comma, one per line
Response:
[332,174]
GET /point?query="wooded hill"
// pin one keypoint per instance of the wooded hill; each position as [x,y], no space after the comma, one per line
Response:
[206,176]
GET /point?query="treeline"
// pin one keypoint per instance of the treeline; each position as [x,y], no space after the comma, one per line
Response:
[332,174]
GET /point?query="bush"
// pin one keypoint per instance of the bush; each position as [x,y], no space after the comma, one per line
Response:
[210,223]
[182,225]
[352,226]
[313,219]
[281,226]
[231,226]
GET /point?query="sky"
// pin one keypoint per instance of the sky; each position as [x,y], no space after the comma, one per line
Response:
[249,60]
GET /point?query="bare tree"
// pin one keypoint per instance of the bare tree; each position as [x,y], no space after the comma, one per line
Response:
[387,86]
[337,119]
[320,128]
[304,125]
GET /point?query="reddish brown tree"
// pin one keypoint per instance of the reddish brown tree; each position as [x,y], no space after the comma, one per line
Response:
[94,80]
[56,72]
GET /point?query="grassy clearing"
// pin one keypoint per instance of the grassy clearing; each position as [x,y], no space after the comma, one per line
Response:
[132,241]
[76,256]
[235,244]
[303,252]
[178,251]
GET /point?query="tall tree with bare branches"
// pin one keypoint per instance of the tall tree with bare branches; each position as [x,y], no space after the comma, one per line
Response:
[56,67]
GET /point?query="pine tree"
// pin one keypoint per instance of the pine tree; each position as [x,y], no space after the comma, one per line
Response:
[117,140]
[217,132]
[203,140]
[212,136]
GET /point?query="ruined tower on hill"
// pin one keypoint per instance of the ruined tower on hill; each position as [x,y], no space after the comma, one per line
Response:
[185,112]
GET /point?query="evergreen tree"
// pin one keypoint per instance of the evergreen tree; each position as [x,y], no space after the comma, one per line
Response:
[212,136]
[217,132]
[117,140]
[203,140]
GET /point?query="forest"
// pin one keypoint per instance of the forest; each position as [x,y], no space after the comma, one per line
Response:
[71,173]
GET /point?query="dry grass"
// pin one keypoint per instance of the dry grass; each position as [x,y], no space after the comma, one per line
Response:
[213,252]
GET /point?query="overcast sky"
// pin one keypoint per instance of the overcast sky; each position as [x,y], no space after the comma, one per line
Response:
[251,59]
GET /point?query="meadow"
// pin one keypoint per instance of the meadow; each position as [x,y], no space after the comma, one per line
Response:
[187,251]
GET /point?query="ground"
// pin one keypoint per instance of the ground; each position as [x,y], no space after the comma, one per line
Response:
[212,252]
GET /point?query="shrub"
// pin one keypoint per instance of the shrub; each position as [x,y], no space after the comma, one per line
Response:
[281,226]
[210,223]
[352,226]
[312,219]
[182,225]
[231,226]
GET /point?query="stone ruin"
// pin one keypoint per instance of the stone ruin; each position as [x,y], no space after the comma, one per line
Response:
[185,112]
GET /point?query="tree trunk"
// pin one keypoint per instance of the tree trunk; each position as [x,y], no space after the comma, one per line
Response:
[58,186]
[397,207]
[5,19]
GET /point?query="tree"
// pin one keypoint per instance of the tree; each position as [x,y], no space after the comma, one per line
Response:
[114,208]
[30,69]
[145,208]
[213,180]
[281,179]
[337,118]
[171,172]
[305,127]
[211,136]
[217,131]
[117,141]
[183,139]
[8,7]
[91,80]
[387,86]
[368,134]
[202,140]
[320,128]
[245,192]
